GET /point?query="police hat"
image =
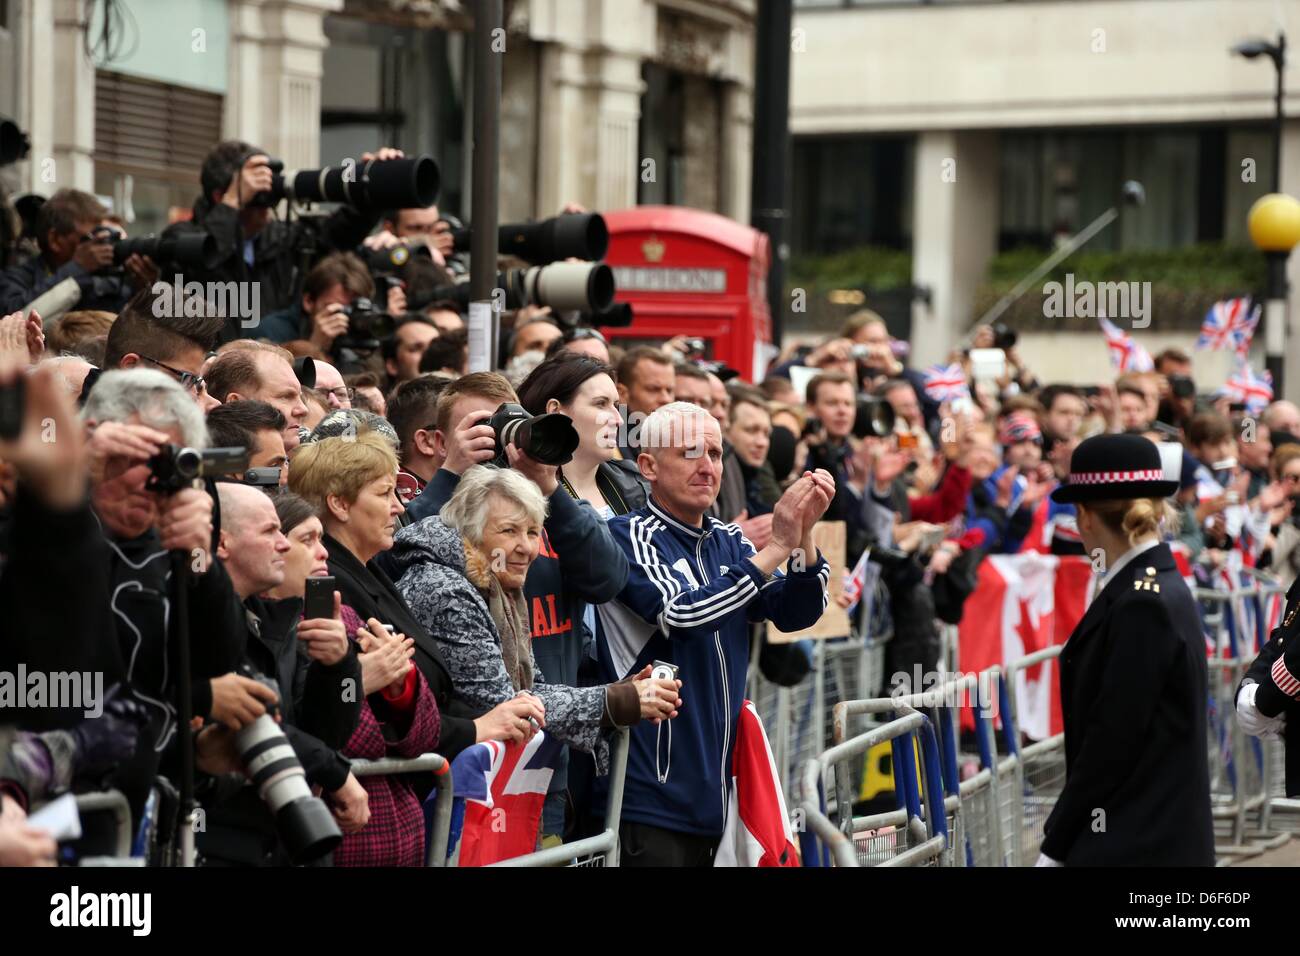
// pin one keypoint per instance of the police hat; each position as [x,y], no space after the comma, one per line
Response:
[1114,466]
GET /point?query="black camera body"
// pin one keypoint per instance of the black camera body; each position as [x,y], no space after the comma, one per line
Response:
[550,439]
[176,467]
[1003,337]
[14,143]
[1181,386]
[367,325]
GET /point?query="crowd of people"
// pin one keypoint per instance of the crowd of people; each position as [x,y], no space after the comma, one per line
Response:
[480,593]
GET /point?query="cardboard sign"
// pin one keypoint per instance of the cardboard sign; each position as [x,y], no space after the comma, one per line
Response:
[834,622]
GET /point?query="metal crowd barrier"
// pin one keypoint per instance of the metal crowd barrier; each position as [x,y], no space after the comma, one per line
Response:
[1247,789]
[917,834]
[798,719]
[994,817]
[436,844]
[590,851]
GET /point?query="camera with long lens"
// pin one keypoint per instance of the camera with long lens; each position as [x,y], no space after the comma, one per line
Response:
[305,825]
[550,439]
[176,467]
[14,143]
[197,250]
[564,286]
[617,316]
[569,236]
[370,184]
[874,418]
[367,324]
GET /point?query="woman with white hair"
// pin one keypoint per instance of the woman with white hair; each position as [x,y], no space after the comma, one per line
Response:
[462,574]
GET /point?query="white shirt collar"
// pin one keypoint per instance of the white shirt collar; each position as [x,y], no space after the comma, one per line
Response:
[1126,558]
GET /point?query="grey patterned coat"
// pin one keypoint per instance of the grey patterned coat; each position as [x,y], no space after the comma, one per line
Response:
[441,576]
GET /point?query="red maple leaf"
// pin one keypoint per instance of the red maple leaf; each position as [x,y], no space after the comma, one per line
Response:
[1032,637]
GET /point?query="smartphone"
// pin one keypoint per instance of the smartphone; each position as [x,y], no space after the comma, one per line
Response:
[318,602]
[907,441]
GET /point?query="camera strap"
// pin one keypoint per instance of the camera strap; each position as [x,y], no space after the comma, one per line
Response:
[663,774]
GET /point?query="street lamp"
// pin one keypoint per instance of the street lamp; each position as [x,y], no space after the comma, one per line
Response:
[1274,224]
[1276,52]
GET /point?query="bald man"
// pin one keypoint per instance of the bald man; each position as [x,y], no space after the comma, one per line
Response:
[312,662]
[1283,417]
[329,382]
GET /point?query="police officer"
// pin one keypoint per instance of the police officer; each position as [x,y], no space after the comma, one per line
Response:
[1133,678]
[1269,691]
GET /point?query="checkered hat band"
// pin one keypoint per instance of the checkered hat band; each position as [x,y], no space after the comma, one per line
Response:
[1115,477]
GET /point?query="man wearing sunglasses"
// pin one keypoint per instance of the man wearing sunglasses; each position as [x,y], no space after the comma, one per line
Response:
[150,334]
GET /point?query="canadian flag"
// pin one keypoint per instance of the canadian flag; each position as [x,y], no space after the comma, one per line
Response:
[1023,603]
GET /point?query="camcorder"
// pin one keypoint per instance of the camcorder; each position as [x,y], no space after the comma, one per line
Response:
[568,236]
[176,467]
[564,286]
[305,825]
[550,439]
[14,143]
[369,184]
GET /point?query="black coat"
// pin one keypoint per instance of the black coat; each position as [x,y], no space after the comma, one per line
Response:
[1269,699]
[371,593]
[1133,695]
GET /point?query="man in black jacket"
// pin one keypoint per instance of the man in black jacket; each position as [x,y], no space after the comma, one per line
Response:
[132,414]
[318,674]
[252,246]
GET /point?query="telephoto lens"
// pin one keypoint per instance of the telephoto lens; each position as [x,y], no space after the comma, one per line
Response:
[570,236]
[567,286]
[306,826]
[550,439]
[194,250]
[14,143]
[375,184]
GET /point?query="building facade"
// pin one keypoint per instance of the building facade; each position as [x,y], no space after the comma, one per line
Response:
[957,130]
[606,103]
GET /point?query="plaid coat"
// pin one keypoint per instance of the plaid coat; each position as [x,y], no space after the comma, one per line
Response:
[395,834]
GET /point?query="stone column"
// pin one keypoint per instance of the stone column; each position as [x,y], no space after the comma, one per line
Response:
[954,234]
[277,48]
[70,100]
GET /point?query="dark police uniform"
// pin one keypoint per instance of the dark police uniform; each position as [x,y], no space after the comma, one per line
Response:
[1133,695]
[1275,671]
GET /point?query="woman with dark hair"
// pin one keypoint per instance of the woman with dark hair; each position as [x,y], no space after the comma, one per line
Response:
[399,715]
[583,388]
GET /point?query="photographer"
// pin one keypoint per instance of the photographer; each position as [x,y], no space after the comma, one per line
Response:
[131,415]
[321,316]
[252,245]
[313,663]
[68,228]
[403,349]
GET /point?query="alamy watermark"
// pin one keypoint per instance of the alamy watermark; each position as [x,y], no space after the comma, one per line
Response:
[1091,300]
[57,690]
[229,300]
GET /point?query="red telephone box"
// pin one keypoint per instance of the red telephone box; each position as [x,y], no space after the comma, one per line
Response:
[687,272]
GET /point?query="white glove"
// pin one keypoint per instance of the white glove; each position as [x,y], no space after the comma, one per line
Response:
[1044,860]
[1252,721]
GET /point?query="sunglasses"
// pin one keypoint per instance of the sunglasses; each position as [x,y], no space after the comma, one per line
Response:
[188,380]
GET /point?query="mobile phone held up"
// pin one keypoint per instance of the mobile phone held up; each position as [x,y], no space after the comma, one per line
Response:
[318,601]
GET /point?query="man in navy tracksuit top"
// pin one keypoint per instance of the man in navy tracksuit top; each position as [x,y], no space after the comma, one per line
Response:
[694,585]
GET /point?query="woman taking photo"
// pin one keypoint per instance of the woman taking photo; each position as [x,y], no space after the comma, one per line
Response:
[582,388]
[399,716]
[351,482]
[1133,678]
[463,578]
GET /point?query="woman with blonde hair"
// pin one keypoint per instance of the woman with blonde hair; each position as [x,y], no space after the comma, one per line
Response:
[1133,678]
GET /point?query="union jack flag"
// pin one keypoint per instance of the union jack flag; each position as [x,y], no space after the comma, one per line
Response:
[1230,323]
[1253,391]
[855,581]
[499,790]
[1125,354]
[946,383]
